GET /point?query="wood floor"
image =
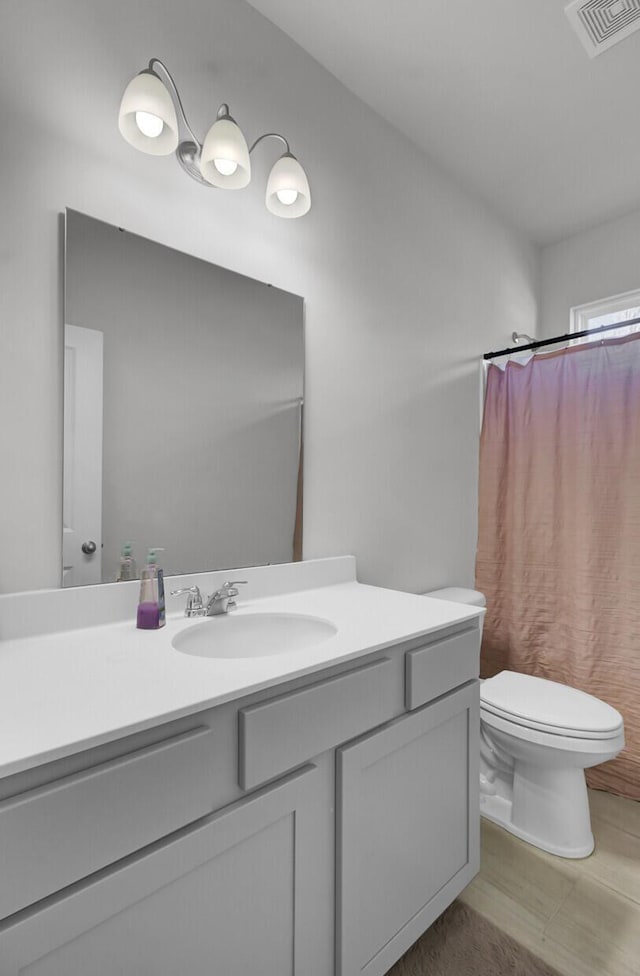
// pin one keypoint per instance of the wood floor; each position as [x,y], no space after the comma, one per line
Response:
[581,917]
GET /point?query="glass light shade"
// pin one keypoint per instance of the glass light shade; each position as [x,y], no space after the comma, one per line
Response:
[145,96]
[225,144]
[286,178]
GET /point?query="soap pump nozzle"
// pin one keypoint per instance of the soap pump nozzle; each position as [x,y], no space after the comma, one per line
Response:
[151,559]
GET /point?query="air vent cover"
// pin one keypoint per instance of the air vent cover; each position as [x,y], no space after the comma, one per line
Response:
[602,23]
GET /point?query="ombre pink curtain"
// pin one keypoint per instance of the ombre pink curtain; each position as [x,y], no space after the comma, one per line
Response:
[559,530]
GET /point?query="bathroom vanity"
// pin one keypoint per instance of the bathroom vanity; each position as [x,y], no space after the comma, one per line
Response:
[309,812]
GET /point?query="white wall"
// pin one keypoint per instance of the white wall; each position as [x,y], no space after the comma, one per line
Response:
[406,278]
[598,263]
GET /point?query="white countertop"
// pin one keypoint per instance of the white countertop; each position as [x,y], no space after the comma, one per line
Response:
[70,690]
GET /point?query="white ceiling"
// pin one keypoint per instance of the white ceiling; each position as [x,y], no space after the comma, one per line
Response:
[501,94]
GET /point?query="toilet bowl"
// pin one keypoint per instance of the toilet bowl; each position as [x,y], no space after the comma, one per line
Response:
[536,739]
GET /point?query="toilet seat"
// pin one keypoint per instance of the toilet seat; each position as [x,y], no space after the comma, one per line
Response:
[557,740]
[548,707]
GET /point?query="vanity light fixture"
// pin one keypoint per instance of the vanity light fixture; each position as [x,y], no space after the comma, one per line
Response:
[152,119]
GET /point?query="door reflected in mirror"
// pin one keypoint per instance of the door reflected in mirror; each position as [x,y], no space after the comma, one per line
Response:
[183,410]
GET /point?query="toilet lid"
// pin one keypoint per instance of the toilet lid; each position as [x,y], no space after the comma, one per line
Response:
[548,705]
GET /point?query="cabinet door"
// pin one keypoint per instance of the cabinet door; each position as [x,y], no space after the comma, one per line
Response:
[408,829]
[232,895]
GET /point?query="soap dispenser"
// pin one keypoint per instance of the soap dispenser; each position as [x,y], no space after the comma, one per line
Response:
[127,570]
[151,608]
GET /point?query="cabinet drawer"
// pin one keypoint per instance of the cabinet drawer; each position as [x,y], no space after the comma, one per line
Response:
[282,733]
[441,665]
[56,834]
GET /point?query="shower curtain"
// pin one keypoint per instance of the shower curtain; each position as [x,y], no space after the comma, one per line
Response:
[559,530]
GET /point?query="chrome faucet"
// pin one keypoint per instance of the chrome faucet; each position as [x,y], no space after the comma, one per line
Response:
[221,600]
[195,607]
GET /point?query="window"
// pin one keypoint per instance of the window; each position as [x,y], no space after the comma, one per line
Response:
[607,311]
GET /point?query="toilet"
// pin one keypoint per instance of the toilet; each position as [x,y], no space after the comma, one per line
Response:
[536,739]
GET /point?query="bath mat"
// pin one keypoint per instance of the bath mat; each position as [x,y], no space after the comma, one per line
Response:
[463,943]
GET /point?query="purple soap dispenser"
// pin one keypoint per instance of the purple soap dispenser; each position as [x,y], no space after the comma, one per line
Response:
[151,611]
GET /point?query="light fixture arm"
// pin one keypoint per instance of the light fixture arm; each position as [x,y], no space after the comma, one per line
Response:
[271,135]
[168,80]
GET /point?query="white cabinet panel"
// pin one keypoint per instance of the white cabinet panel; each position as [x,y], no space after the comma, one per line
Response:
[408,829]
[279,734]
[231,895]
[62,832]
[441,665]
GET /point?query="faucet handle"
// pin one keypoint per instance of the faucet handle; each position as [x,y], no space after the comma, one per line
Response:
[229,588]
[195,606]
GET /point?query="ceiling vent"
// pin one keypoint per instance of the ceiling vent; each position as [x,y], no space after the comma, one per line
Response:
[602,23]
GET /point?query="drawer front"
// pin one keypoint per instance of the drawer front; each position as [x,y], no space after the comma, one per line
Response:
[66,830]
[277,735]
[441,665]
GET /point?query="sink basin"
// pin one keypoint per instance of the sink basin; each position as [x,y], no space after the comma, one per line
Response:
[253,635]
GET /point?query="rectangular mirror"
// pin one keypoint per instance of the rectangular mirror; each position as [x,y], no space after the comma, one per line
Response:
[182,410]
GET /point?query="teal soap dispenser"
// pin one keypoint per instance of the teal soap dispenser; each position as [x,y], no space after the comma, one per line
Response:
[127,570]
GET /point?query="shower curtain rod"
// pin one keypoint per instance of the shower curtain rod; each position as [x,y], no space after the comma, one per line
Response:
[563,338]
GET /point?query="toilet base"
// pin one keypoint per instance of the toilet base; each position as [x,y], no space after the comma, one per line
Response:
[551,816]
